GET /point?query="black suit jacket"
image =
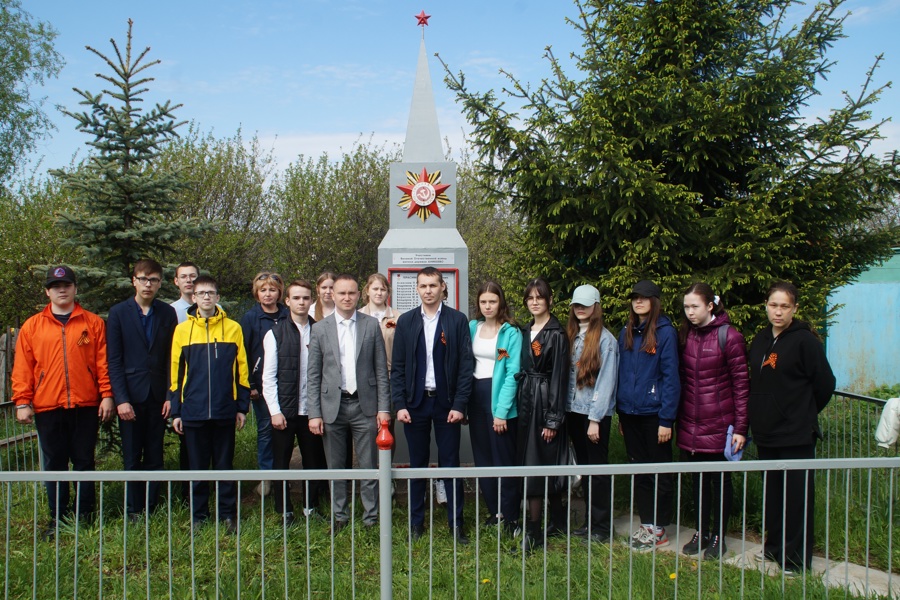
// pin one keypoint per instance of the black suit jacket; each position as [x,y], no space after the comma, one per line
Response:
[139,371]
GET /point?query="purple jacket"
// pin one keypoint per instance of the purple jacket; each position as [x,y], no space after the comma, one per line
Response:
[715,387]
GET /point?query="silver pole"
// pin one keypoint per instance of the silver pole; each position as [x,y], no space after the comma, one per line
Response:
[385,441]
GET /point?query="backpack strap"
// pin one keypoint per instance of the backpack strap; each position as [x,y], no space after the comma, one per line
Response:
[723,336]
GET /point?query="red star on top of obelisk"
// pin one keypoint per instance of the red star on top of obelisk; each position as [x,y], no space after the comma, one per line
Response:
[422,18]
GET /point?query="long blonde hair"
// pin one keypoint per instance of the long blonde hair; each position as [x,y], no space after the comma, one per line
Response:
[325,276]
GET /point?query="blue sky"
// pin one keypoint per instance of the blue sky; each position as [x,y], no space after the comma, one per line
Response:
[313,76]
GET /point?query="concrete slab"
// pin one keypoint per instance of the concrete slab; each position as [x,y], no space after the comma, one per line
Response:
[859,580]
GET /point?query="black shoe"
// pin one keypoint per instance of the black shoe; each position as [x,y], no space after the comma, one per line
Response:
[512,528]
[600,536]
[288,519]
[340,526]
[135,518]
[492,521]
[715,549]
[417,531]
[533,538]
[461,538]
[697,543]
[554,530]
[49,532]
[229,525]
[582,531]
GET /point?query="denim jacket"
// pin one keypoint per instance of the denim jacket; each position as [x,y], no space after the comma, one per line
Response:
[598,401]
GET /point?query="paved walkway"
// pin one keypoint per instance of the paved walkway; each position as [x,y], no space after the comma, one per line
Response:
[857,579]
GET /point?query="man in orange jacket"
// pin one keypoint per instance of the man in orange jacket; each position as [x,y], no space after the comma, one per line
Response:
[61,381]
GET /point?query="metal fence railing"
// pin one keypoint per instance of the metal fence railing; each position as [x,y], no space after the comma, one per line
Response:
[167,556]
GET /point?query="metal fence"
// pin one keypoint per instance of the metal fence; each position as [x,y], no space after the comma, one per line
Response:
[167,556]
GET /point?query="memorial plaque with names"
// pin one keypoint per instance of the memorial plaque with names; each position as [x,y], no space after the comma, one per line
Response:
[405,296]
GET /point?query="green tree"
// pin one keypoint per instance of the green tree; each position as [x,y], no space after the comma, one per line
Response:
[125,207]
[28,236]
[332,215]
[27,59]
[228,184]
[493,232]
[680,152]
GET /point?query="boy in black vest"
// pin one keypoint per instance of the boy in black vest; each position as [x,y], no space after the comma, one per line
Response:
[286,352]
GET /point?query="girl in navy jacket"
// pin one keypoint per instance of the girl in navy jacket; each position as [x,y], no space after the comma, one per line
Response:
[647,402]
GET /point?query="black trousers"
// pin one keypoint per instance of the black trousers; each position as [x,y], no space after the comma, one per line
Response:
[142,450]
[596,488]
[490,449]
[68,435]
[653,493]
[713,495]
[211,441]
[418,440]
[312,453]
[790,505]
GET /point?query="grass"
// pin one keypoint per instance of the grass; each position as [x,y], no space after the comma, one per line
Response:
[858,502]
[251,565]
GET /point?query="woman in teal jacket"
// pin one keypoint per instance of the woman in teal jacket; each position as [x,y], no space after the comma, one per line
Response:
[497,346]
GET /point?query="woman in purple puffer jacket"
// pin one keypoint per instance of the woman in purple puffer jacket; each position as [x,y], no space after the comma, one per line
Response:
[715,387]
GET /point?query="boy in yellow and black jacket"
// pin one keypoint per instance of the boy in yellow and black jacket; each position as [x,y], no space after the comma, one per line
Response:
[210,395]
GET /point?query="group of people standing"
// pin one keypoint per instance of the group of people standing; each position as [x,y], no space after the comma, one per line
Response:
[697,381]
[324,375]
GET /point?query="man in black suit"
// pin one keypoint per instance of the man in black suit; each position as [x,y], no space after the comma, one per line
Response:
[139,341]
[431,379]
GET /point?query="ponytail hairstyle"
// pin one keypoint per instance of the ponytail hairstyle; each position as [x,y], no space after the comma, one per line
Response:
[588,365]
[703,290]
[649,343]
[325,276]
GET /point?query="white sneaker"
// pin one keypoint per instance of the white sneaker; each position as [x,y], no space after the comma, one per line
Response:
[644,539]
[440,491]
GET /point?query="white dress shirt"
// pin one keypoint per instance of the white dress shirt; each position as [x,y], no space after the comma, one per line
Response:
[347,342]
[270,370]
[430,325]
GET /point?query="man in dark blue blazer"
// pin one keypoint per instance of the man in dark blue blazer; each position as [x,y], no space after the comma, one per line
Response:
[139,342]
[431,378]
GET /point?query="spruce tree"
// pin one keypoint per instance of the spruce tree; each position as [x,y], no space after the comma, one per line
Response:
[680,152]
[127,208]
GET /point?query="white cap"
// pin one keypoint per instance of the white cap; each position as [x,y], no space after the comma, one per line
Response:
[586,295]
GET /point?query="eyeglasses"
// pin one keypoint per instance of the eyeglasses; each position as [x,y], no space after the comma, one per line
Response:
[272,276]
[187,276]
[207,294]
[148,280]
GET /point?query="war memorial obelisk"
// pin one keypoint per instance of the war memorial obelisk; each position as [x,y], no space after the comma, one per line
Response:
[422,205]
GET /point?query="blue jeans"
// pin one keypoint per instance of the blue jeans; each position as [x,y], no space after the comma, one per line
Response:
[264,455]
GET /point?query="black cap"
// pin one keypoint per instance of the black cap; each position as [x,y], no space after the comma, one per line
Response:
[645,288]
[60,273]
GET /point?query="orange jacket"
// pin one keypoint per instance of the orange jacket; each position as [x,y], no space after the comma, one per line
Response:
[61,367]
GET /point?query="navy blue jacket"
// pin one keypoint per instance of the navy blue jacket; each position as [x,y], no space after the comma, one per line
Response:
[649,383]
[255,324]
[459,364]
[138,371]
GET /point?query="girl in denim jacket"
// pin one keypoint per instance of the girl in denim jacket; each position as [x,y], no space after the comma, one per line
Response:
[590,404]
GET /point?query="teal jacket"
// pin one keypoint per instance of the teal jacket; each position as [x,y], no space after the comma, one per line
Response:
[506,367]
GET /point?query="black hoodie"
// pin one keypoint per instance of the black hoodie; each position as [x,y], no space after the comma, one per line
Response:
[790,383]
